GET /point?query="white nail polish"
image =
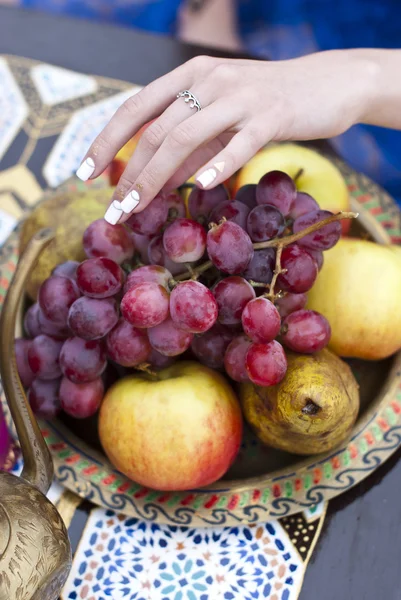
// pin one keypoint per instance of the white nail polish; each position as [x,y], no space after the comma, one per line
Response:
[220,166]
[130,202]
[86,169]
[113,213]
[207,177]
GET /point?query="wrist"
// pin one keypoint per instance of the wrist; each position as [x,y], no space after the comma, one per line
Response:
[366,67]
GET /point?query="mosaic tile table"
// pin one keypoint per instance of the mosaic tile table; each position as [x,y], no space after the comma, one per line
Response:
[51,112]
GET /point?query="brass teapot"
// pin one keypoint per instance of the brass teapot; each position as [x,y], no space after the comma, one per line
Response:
[35,552]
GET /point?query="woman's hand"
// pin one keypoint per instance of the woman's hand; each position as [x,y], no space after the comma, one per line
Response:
[245,105]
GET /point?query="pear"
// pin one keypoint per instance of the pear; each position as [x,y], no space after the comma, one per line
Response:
[359,291]
[312,410]
[69,214]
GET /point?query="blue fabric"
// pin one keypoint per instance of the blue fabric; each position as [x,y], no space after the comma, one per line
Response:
[280,29]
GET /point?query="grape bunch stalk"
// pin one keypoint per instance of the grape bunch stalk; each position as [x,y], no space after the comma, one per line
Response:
[227,287]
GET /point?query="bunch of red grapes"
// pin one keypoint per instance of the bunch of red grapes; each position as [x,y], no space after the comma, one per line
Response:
[164,286]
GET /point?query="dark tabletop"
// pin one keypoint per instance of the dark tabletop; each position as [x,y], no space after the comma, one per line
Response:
[356,557]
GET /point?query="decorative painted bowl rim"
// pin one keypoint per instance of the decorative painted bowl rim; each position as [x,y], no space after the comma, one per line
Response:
[376,435]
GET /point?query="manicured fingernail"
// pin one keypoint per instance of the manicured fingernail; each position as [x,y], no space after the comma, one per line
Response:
[207,177]
[86,169]
[113,213]
[130,201]
[220,166]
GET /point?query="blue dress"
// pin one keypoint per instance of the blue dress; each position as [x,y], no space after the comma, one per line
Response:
[280,29]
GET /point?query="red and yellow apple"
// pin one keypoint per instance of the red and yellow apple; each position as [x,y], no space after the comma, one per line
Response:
[177,431]
[122,157]
[320,177]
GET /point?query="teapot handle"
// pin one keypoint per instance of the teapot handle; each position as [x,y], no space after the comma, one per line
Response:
[38,465]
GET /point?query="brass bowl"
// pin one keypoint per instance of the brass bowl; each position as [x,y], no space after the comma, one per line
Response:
[263,483]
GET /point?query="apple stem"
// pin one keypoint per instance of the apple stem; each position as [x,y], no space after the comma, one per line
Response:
[146,368]
[278,243]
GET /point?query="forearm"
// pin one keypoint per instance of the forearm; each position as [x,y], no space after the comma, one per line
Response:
[383,105]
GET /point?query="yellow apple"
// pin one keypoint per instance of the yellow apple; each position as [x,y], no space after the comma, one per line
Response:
[359,291]
[177,431]
[320,177]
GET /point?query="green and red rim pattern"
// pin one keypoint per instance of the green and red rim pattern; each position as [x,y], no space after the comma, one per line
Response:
[376,436]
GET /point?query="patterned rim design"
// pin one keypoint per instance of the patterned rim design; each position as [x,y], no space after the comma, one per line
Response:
[376,436]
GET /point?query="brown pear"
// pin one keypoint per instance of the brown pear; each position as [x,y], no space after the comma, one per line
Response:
[312,410]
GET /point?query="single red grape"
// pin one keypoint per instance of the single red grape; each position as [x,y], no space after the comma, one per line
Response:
[168,339]
[201,202]
[290,303]
[301,270]
[21,348]
[148,273]
[159,361]
[247,195]
[209,347]
[264,223]
[261,320]
[158,256]
[232,295]
[318,256]
[111,241]
[306,331]
[230,210]
[31,321]
[60,332]
[229,247]
[82,360]
[100,277]
[91,318]
[277,188]
[184,241]
[56,294]
[193,307]
[43,396]
[234,358]
[266,364]
[127,345]
[145,305]
[81,400]
[43,357]
[176,206]
[152,218]
[67,269]
[322,239]
[141,243]
[261,266]
[303,204]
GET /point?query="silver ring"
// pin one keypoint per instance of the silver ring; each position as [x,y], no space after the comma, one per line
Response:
[189,97]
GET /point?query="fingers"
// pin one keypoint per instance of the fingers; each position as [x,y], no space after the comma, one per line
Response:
[179,144]
[136,111]
[238,151]
[154,136]
[198,158]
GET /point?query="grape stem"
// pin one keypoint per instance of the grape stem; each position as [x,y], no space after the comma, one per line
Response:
[278,243]
[271,295]
[290,239]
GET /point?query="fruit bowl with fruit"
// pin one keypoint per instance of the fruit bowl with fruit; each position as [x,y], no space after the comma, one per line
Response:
[184,369]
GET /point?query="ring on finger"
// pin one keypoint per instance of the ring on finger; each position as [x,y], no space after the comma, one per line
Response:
[191,99]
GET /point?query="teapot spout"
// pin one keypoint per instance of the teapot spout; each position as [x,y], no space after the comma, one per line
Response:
[38,465]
